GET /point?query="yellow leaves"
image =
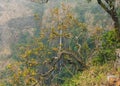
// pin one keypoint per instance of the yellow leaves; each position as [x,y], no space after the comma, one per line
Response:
[55,33]
[28,72]
[36,53]
[56,11]
[67,35]
[51,36]
[30,81]
[25,72]
[26,54]
[28,75]
[55,49]
[64,6]
[33,73]
[32,62]
[23,56]
[70,16]
[19,72]
[49,52]
[98,30]
[64,27]
[82,25]
[9,66]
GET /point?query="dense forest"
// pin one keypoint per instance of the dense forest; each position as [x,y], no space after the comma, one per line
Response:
[60,43]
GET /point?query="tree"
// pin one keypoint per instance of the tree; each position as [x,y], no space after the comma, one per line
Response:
[39,63]
[110,6]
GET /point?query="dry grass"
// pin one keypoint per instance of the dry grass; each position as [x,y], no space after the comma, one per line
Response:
[94,76]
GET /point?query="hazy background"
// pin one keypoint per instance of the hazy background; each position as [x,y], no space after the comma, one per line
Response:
[22,19]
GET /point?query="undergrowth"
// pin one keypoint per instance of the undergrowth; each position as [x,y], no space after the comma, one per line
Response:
[93,76]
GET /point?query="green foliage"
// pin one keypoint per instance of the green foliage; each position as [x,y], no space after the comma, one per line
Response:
[107,50]
[118,12]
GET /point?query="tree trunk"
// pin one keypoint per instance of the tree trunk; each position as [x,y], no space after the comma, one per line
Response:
[112,12]
[116,25]
[115,18]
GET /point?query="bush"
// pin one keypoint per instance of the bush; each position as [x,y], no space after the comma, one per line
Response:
[106,52]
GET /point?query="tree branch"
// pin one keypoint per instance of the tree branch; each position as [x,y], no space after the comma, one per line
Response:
[104,6]
[74,55]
